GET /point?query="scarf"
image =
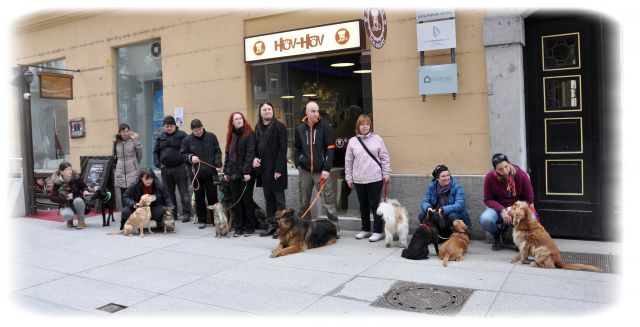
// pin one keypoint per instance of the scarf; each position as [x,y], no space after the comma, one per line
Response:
[233,146]
[443,194]
[509,180]
[147,189]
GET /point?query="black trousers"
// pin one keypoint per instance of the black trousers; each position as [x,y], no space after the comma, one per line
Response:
[177,176]
[244,215]
[208,191]
[369,198]
[156,214]
[274,202]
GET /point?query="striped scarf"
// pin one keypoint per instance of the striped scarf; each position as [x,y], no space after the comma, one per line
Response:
[509,180]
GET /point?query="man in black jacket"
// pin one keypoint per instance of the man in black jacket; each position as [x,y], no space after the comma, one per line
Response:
[314,147]
[202,151]
[270,163]
[166,156]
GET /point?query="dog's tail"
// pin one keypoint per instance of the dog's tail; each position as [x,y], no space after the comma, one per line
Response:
[577,266]
[445,260]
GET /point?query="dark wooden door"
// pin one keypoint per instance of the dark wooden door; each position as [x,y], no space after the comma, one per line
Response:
[565,97]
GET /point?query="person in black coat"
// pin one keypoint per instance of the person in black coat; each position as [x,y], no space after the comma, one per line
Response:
[146,183]
[270,163]
[166,156]
[202,151]
[238,161]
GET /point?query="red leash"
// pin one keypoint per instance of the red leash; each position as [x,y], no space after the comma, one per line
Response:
[383,194]
[322,182]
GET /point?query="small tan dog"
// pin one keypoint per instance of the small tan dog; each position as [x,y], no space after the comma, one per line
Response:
[223,225]
[141,217]
[533,240]
[456,246]
[168,221]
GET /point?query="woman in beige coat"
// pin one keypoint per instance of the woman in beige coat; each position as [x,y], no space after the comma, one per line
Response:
[127,150]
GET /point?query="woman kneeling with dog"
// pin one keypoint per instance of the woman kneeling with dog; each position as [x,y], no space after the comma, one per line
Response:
[446,195]
[68,190]
[146,183]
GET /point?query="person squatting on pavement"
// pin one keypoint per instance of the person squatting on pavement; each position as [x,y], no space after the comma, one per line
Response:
[146,183]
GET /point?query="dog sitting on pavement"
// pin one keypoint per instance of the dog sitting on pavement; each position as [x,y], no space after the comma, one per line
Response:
[427,233]
[456,246]
[396,222]
[107,202]
[223,225]
[168,220]
[141,217]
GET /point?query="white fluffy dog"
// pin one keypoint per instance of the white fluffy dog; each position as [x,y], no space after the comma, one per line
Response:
[396,222]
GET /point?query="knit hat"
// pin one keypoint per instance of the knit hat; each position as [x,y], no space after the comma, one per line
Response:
[169,120]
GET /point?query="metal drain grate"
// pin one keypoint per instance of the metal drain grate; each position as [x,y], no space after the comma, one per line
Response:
[608,263]
[112,307]
[425,298]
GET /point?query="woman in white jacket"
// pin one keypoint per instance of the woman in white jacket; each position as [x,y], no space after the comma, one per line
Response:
[367,166]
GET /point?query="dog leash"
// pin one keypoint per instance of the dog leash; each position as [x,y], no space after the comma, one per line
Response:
[195,172]
[430,231]
[383,195]
[239,198]
[322,182]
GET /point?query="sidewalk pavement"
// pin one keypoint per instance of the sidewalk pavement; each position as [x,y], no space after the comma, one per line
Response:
[55,270]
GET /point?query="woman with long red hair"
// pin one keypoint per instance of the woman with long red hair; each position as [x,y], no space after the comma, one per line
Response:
[238,170]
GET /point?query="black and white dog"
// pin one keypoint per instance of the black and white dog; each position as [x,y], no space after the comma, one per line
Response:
[107,202]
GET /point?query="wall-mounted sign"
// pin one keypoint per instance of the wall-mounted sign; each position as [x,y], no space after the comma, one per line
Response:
[438,79]
[426,15]
[437,35]
[76,127]
[56,86]
[375,23]
[335,37]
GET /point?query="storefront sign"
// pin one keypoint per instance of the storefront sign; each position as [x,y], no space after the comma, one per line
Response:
[56,86]
[427,15]
[437,35]
[375,23]
[335,37]
[438,79]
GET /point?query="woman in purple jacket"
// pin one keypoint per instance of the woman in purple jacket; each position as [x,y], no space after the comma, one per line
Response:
[503,186]
[367,174]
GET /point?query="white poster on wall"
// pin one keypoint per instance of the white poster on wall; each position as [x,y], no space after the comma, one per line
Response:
[178,114]
[437,35]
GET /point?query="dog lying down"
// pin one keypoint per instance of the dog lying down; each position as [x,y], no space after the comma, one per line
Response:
[297,235]
[533,240]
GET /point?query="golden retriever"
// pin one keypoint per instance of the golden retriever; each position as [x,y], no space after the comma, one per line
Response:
[456,246]
[533,240]
[141,217]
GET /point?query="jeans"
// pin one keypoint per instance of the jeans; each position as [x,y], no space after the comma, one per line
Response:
[489,219]
[67,213]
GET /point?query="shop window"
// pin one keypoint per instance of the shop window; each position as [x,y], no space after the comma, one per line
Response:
[140,94]
[50,124]
[342,92]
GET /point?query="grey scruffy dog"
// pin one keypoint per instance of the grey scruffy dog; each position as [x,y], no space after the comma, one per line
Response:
[168,220]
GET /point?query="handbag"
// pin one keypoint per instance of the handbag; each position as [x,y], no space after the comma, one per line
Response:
[369,152]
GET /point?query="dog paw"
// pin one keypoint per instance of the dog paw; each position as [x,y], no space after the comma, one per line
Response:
[516,261]
[273,255]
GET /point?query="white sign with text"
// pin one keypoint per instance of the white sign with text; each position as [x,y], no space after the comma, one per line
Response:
[437,35]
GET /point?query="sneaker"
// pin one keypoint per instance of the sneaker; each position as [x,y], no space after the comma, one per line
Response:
[237,233]
[376,237]
[202,226]
[70,223]
[497,243]
[363,234]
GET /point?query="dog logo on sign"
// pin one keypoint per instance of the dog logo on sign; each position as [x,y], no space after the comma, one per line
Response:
[342,36]
[375,22]
[258,48]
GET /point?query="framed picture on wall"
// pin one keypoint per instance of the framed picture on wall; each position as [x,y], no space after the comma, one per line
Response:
[76,127]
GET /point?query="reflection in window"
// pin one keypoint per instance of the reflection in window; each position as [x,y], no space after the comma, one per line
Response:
[49,121]
[562,93]
[140,93]
[561,51]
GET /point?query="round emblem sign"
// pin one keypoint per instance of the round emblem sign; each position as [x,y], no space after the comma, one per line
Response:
[342,36]
[339,143]
[258,48]
[375,23]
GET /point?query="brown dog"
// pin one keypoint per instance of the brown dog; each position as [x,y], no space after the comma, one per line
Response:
[297,235]
[456,246]
[223,225]
[533,240]
[141,217]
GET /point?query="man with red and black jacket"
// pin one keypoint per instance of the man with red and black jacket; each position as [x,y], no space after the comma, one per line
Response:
[313,156]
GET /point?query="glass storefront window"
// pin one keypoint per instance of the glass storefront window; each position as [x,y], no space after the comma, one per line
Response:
[341,94]
[50,123]
[140,93]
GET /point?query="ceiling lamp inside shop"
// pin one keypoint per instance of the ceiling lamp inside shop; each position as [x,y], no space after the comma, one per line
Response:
[362,71]
[342,64]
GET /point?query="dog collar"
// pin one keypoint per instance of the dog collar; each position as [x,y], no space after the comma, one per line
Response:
[427,227]
[108,197]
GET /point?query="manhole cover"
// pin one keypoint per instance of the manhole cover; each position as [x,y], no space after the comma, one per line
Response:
[112,307]
[426,298]
[608,263]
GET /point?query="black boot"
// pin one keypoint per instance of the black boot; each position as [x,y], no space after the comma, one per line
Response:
[269,231]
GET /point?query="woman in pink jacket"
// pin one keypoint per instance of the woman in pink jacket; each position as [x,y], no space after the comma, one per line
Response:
[367,166]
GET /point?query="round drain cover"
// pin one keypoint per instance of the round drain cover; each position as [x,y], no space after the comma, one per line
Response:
[425,298]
